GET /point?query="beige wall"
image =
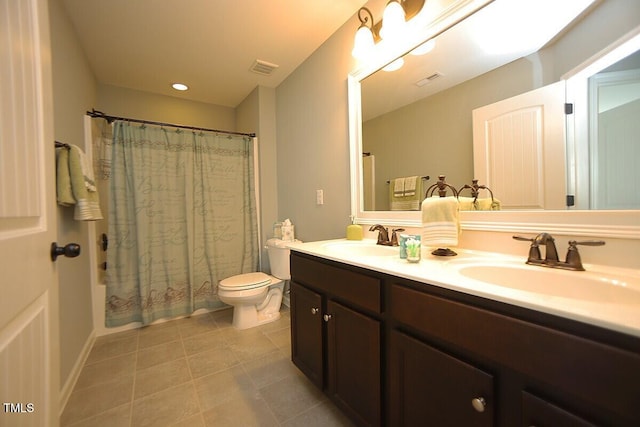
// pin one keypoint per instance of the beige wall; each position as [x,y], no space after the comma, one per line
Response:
[256,114]
[73,92]
[136,104]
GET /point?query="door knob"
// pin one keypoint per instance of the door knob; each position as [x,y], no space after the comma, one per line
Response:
[71,250]
[479,403]
[327,317]
[314,310]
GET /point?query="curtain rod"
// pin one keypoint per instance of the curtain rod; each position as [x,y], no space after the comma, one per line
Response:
[99,114]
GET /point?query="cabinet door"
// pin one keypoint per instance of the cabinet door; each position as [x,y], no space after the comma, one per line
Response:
[540,413]
[429,387]
[353,363]
[306,332]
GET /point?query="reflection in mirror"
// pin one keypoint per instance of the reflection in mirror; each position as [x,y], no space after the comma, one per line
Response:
[417,121]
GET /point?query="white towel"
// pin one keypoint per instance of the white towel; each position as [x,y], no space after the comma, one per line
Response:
[87,169]
[440,221]
[87,207]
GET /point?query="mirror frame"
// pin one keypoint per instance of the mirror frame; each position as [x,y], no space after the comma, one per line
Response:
[623,224]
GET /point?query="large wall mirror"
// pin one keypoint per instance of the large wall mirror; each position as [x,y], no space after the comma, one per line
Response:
[417,121]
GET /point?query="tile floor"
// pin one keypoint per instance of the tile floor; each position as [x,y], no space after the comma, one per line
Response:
[197,371]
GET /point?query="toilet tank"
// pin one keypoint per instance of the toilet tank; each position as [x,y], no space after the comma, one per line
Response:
[278,254]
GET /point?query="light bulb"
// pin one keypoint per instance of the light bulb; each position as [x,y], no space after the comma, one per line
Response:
[363,43]
[179,86]
[393,20]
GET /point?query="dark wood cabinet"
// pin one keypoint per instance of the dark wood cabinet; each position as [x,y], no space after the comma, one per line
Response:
[427,384]
[392,351]
[306,332]
[333,341]
[537,412]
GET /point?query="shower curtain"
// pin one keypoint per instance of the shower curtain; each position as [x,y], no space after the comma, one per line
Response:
[182,216]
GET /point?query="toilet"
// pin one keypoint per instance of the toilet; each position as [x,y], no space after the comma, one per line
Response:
[256,297]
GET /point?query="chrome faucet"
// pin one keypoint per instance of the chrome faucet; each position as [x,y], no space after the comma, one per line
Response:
[383,234]
[572,261]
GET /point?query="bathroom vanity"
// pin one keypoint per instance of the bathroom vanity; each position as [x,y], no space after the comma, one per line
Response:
[398,344]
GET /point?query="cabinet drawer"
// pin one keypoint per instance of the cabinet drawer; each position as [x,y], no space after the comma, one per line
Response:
[356,288]
[605,376]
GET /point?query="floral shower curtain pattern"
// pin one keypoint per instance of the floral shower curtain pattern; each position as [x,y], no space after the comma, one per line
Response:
[182,216]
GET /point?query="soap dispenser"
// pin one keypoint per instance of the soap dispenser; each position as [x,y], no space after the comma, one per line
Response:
[354,231]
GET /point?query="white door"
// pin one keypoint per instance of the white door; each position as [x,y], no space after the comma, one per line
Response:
[519,149]
[29,354]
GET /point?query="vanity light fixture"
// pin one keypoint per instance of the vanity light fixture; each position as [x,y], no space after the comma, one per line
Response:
[180,86]
[390,27]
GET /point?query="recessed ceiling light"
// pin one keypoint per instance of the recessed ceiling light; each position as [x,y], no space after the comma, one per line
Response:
[180,86]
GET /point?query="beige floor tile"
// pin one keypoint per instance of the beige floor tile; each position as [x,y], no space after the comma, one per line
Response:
[281,338]
[270,368]
[210,341]
[322,415]
[194,421]
[158,334]
[161,377]
[111,346]
[166,408]
[224,386]
[119,416]
[194,325]
[106,370]
[211,361]
[243,411]
[161,353]
[291,396]
[248,345]
[90,401]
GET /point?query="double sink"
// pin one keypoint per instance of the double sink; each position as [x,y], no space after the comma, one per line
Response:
[608,295]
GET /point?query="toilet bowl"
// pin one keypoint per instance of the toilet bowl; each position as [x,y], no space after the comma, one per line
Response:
[256,297]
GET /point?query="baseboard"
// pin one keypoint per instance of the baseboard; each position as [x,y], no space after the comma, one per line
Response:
[66,390]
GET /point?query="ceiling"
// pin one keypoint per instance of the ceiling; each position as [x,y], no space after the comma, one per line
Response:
[209,45]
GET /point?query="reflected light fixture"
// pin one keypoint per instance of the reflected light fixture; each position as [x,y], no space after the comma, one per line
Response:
[424,48]
[390,27]
[180,86]
[395,65]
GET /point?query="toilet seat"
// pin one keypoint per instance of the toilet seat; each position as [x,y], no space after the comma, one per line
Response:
[245,281]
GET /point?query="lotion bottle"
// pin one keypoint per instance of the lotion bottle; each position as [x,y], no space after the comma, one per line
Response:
[354,231]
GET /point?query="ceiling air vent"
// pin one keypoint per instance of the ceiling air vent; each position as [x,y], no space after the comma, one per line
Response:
[263,67]
[428,79]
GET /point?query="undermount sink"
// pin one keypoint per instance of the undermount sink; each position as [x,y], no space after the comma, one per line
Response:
[361,248]
[576,285]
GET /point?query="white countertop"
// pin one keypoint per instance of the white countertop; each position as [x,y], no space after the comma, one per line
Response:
[621,313]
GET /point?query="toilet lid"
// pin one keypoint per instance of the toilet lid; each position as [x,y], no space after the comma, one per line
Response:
[245,281]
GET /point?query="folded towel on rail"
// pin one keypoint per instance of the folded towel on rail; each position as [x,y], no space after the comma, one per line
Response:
[479,204]
[406,203]
[410,184]
[64,194]
[87,202]
[440,221]
[398,187]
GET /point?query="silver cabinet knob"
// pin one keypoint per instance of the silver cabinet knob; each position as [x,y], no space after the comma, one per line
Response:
[314,310]
[479,404]
[327,317]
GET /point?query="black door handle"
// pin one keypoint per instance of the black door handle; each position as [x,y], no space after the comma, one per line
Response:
[71,250]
